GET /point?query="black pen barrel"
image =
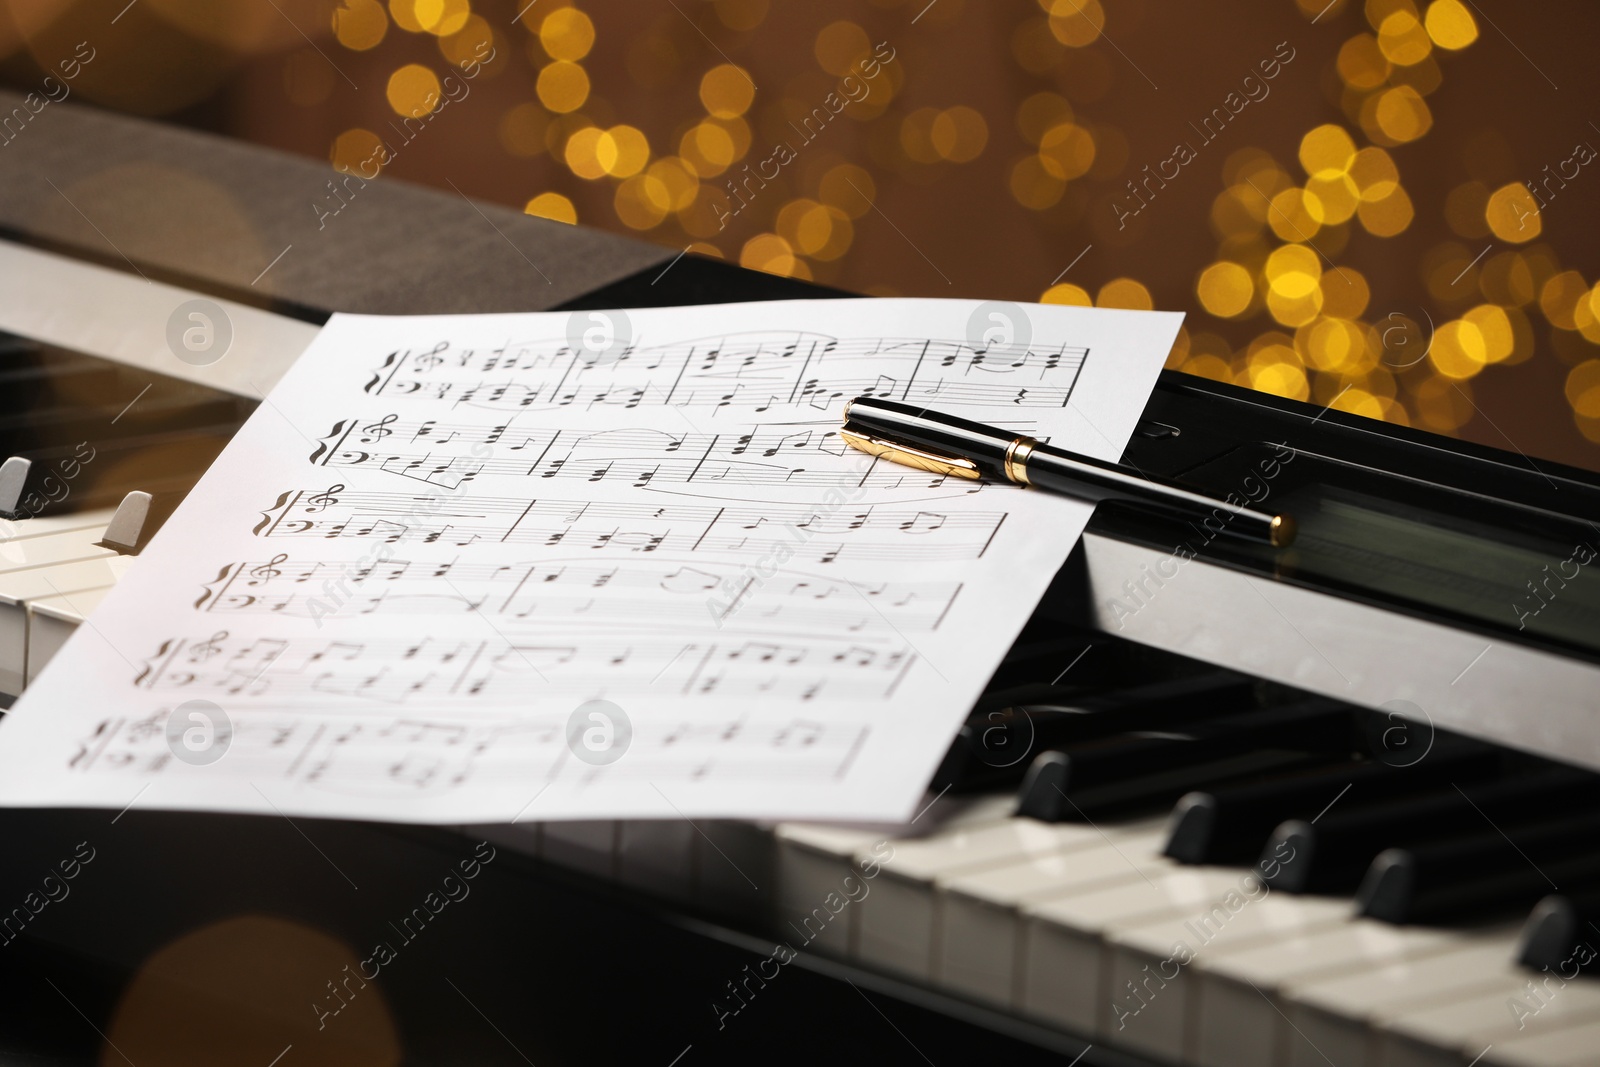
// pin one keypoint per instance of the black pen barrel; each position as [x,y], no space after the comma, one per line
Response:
[1088,479]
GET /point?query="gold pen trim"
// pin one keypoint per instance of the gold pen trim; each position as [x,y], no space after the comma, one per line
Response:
[932,462]
[1016,462]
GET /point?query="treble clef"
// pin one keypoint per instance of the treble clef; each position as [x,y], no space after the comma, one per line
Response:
[210,647]
[268,570]
[378,430]
[321,501]
[429,360]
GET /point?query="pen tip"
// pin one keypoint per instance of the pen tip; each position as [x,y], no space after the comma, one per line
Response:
[1283,531]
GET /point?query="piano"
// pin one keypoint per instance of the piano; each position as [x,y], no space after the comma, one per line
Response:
[1216,807]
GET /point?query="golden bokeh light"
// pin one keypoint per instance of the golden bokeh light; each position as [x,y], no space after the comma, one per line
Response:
[849,188]
[1450,24]
[360,25]
[1225,289]
[1559,298]
[413,90]
[1068,294]
[1327,152]
[622,151]
[959,134]
[1296,215]
[582,153]
[1075,23]
[1039,113]
[1513,214]
[1066,151]
[1361,63]
[357,151]
[563,86]
[1033,186]
[1403,40]
[770,253]
[1583,389]
[552,206]
[1388,216]
[726,91]
[1124,293]
[1398,114]
[708,149]
[566,33]
[640,202]
[1374,173]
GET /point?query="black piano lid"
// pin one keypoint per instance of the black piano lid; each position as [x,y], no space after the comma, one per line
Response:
[1479,538]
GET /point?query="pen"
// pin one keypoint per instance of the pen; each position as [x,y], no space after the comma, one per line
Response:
[948,445]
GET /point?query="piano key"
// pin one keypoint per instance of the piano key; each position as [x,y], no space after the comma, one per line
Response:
[814,859]
[18,588]
[66,546]
[1332,855]
[1501,868]
[1230,824]
[1457,1031]
[41,525]
[1559,934]
[1332,1017]
[1148,769]
[1572,1046]
[991,749]
[980,943]
[1150,978]
[1067,978]
[1238,994]
[51,620]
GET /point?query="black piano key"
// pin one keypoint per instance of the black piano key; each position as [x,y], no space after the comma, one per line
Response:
[1497,870]
[1562,935]
[1332,854]
[1152,767]
[993,747]
[1230,825]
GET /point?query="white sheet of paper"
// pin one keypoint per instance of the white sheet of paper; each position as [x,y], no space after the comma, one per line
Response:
[397,592]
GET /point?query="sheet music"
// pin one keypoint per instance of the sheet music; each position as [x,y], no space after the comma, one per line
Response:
[467,569]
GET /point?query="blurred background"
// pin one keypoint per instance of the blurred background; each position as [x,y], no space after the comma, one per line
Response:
[1385,206]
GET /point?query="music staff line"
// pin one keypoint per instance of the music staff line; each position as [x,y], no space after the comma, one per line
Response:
[567,594]
[760,371]
[817,533]
[636,456]
[424,756]
[443,672]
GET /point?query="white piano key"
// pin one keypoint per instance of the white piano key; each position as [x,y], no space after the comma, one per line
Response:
[814,859]
[1066,977]
[980,928]
[64,546]
[1524,1004]
[51,620]
[1333,1017]
[899,924]
[1573,1046]
[1157,957]
[657,857]
[40,526]
[1239,1013]
[587,845]
[17,588]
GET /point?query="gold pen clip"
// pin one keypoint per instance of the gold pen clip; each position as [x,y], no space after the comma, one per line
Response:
[911,457]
